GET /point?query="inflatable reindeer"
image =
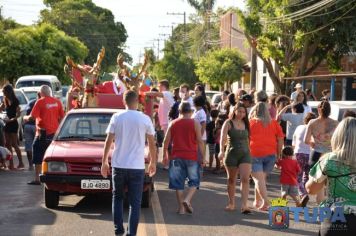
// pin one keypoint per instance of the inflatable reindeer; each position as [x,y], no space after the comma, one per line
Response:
[90,74]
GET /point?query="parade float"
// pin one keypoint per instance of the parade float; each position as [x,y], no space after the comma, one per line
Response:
[88,90]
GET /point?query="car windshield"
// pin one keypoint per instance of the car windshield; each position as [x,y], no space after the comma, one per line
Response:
[32,83]
[89,126]
[31,95]
[21,97]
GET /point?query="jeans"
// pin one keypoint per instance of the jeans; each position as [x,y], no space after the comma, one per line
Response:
[133,179]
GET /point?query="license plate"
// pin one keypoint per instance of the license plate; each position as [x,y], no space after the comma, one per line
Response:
[94,184]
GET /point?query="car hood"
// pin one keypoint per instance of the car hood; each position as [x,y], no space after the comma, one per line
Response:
[78,150]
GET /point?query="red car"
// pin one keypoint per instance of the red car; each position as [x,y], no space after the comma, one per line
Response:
[72,161]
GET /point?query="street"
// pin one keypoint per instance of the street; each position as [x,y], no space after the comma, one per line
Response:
[22,211]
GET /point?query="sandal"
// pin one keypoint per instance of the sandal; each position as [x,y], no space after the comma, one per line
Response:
[188,207]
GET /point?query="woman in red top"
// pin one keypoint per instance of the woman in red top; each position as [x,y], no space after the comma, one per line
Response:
[266,140]
[185,135]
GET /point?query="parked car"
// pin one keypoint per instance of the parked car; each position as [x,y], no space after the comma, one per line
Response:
[210,93]
[31,92]
[72,161]
[338,108]
[33,82]
[215,100]
[23,100]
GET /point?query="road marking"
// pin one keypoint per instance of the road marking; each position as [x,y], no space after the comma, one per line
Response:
[141,230]
[161,229]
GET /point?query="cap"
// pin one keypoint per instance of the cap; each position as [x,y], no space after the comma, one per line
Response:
[298,85]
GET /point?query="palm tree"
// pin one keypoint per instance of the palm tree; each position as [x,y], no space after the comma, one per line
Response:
[204,8]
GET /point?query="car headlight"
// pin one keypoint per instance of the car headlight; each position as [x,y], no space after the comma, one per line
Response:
[57,166]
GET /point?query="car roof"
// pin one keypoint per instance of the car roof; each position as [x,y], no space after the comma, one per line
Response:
[94,110]
[38,77]
[341,104]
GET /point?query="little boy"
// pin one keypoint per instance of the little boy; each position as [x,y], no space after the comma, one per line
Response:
[288,179]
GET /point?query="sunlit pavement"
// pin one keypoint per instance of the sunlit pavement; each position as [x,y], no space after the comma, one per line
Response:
[22,211]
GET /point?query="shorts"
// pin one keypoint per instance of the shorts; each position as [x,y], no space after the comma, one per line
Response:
[237,159]
[39,149]
[29,133]
[264,164]
[291,190]
[180,170]
[314,158]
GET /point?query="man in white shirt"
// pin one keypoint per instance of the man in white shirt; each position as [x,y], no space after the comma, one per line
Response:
[298,88]
[129,129]
[165,103]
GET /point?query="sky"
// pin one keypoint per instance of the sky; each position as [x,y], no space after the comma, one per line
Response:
[144,20]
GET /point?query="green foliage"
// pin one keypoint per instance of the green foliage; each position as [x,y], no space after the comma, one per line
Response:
[93,25]
[203,32]
[37,50]
[298,43]
[175,66]
[220,66]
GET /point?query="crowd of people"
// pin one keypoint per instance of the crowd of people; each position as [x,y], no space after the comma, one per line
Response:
[41,121]
[248,135]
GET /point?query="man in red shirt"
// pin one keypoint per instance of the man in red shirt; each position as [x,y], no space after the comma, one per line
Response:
[185,135]
[47,112]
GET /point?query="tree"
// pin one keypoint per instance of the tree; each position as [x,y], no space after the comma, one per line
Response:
[205,33]
[37,50]
[93,25]
[220,66]
[175,66]
[298,36]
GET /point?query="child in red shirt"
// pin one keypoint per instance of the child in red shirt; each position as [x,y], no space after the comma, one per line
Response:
[289,172]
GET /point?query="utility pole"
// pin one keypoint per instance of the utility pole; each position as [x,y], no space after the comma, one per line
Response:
[185,24]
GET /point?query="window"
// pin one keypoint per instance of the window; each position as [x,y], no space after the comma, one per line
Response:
[85,126]
[32,83]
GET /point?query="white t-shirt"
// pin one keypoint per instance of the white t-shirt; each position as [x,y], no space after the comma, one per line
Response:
[165,104]
[190,100]
[130,128]
[293,121]
[298,140]
[200,116]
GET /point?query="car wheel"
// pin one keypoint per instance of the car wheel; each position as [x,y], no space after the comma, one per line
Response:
[146,198]
[51,198]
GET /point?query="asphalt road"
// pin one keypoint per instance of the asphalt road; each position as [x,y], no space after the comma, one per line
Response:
[22,211]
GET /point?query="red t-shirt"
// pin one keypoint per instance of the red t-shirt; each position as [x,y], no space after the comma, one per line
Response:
[289,171]
[47,111]
[263,140]
[184,139]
